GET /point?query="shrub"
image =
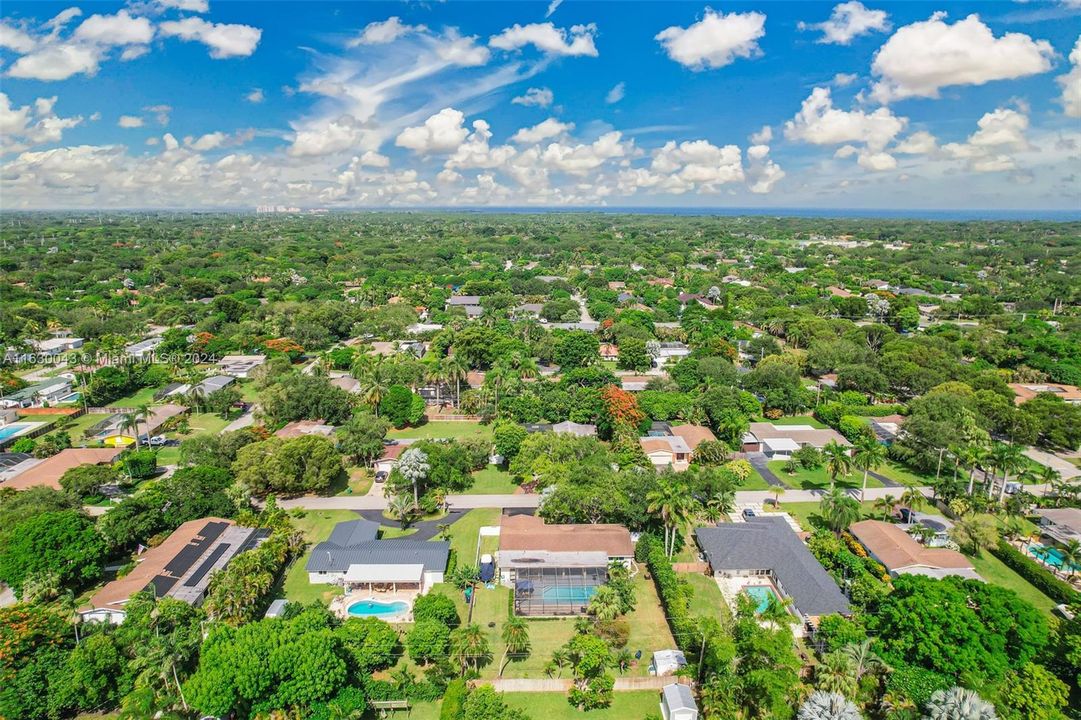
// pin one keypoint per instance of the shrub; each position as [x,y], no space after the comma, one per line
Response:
[453,701]
[615,632]
[1041,578]
[436,607]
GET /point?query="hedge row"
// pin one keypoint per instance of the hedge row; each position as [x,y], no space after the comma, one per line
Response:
[1040,577]
[675,593]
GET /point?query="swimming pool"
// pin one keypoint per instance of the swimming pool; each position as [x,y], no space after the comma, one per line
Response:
[573,594]
[1050,555]
[761,595]
[9,431]
[374,608]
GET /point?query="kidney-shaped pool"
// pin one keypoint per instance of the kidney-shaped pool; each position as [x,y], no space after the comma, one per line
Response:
[374,608]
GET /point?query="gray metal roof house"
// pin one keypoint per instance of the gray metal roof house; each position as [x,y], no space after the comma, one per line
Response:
[677,703]
[354,556]
[768,545]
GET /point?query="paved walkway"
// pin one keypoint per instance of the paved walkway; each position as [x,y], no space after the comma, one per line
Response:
[245,420]
[758,462]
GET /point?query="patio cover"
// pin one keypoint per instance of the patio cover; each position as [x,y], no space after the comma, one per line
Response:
[781,444]
[384,574]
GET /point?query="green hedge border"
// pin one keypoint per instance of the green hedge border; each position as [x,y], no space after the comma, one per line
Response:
[1038,576]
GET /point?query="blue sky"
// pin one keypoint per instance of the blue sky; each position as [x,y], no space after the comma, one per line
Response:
[189,103]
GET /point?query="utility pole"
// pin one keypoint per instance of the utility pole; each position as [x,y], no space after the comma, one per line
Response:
[939,470]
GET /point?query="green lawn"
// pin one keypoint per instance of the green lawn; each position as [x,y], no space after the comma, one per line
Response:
[754,481]
[249,392]
[169,455]
[803,512]
[444,429]
[144,396]
[83,423]
[649,629]
[635,705]
[817,479]
[359,483]
[492,480]
[465,532]
[707,600]
[995,571]
[316,526]
[905,475]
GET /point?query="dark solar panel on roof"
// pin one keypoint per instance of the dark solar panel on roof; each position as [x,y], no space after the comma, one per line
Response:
[161,584]
[204,568]
[195,549]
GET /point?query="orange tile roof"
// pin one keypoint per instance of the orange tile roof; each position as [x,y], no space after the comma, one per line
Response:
[528,532]
[49,471]
[895,549]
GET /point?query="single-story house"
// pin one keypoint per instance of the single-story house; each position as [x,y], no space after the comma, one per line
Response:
[240,366]
[887,427]
[529,309]
[572,428]
[901,554]
[47,392]
[669,451]
[555,569]
[56,345]
[693,435]
[389,459]
[767,547]
[667,662]
[672,351]
[1062,524]
[48,472]
[1026,391]
[780,441]
[144,348]
[677,703]
[113,426]
[354,557]
[179,568]
[463,300]
[213,384]
[609,351]
[347,383]
[299,428]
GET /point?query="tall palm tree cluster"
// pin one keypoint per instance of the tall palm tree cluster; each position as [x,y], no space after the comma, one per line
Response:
[673,502]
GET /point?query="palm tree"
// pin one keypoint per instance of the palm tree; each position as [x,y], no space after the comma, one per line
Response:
[130,421]
[777,491]
[456,370]
[723,499]
[469,646]
[144,413]
[498,378]
[515,640]
[839,510]
[401,508]
[828,706]
[885,505]
[560,658]
[413,466]
[1006,458]
[623,660]
[374,383]
[605,603]
[958,704]
[869,455]
[1071,557]
[864,660]
[670,501]
[836,674]
[837,461]
[913,499]
[435,374]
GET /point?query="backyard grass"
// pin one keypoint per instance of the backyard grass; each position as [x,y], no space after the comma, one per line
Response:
[465,531]
[249,392]
[143,396]
[83,423]
[206,423]
[316,526]
[995,571]
[817,479]
[169,455]
[443,429]
[649,629]
[707,600]
[492,480]
[903,474]
[554,706]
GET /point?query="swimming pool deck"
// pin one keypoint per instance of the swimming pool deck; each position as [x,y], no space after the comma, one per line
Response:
[341,604]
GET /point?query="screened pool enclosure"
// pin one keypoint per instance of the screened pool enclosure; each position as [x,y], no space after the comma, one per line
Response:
[554,584]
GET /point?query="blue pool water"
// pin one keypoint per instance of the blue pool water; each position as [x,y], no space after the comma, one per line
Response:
[374,608]
[761,595]
[580,594]
[13,429]
[1051,556]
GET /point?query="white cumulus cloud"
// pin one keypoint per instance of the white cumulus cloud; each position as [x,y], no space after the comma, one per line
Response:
[224,40]
[1071,84]
[616,93]
[714,41]
[547,38]
[130,121]
[820,123]
[849,20]
[442,132]
[922,58]
[546,130]
[385,31]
